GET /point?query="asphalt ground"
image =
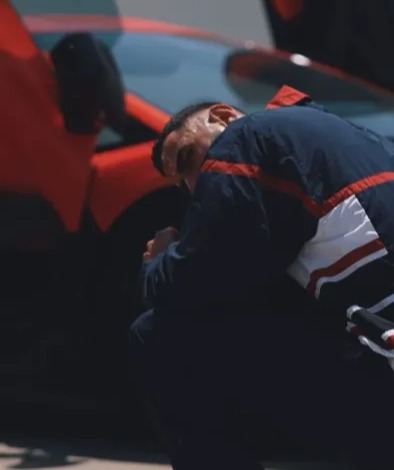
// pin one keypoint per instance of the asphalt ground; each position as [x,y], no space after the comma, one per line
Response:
[22,452]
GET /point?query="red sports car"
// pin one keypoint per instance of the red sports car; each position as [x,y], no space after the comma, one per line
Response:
[74,224]
[165,67]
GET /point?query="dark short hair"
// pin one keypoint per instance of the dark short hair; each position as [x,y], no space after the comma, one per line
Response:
[175,123]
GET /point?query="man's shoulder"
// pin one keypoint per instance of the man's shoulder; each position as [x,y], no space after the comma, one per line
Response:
[295,123]
[291,121]
[286,113]
[237,129]
[267,118]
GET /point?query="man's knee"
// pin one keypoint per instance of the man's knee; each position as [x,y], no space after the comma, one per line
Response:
[142,327]
[140,334]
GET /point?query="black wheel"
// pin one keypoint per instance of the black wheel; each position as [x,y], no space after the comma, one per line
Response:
[114,297]
[123,247]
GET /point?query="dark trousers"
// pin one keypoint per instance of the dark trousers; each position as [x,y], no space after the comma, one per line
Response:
[217,377]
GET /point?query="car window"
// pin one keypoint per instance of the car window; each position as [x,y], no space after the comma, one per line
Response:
[172,72]
[134,132]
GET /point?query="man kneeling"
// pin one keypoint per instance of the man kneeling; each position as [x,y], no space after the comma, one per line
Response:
[284,195]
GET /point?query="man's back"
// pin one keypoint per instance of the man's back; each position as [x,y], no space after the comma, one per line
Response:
[327,188]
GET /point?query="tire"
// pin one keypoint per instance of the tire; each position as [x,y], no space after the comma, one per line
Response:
[124,245]
[115,300]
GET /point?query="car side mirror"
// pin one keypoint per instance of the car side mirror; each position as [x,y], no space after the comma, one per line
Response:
[90,84]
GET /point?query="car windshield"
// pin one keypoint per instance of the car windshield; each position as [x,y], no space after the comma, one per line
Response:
[174,71]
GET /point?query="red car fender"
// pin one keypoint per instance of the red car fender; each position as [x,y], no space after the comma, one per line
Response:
[148,114]
[37,154]
[120,179]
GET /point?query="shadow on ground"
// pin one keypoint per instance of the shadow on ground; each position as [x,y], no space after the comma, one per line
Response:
[43,453]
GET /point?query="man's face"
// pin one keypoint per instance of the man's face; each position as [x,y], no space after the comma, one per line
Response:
[185,149]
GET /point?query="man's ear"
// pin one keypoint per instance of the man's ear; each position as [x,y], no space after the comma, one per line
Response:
[222,114]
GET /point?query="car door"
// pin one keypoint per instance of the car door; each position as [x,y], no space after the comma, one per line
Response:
[44,178]
[355,36]
[37,155]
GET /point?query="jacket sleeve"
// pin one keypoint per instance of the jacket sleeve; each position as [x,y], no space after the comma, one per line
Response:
[214,258]
[227,251]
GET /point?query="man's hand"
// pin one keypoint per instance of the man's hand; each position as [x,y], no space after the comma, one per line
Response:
[163,239]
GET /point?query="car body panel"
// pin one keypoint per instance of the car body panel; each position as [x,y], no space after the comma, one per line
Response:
[47,160]
[121,177]
[125,176]
[145,112]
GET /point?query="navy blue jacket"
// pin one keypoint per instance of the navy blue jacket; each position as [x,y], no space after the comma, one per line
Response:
[293,190]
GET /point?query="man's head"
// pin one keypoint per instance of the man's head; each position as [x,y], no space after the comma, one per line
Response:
[185,140]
